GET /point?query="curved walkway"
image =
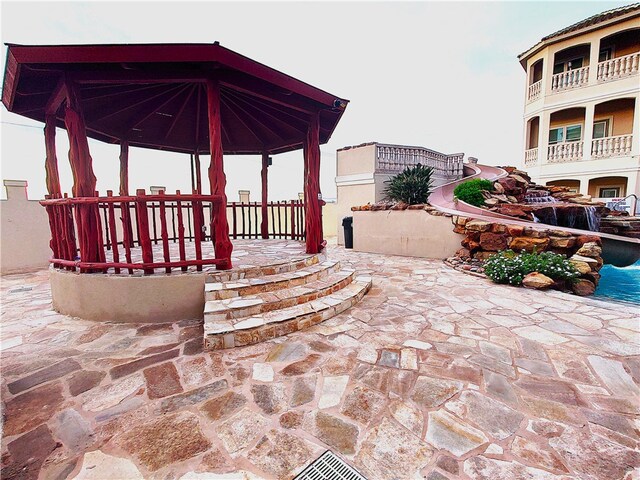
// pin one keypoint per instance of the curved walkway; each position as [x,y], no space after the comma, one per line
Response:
[435,374]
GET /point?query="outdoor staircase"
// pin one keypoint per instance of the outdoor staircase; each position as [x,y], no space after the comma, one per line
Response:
[244,307]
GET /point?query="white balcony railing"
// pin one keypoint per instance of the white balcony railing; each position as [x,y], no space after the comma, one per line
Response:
[618,146]
[531,157]
[395,158]
[534,91]
[571,79]
[619,67]
[565,152]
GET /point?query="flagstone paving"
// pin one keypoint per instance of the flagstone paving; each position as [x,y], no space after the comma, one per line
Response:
[434,374]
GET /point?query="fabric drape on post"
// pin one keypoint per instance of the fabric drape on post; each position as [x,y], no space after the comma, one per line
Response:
[124,168]
[313,202]
[264,225]
[217,179]
[84,181]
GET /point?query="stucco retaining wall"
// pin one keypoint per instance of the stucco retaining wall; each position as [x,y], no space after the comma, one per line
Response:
[114,298]
[412,233]
[24,231]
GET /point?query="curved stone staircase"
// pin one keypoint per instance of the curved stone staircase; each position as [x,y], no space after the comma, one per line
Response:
[244,307]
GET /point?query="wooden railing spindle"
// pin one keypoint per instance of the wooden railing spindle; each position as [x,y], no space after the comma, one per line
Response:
[114,234]
[143,229]
[163,231]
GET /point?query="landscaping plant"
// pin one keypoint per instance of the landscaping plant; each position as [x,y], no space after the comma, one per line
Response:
[511,267]
[411,186]
[471,191]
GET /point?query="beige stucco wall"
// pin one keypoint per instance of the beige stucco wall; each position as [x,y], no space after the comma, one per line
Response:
[144,299]
[412,233]
[350,196]
[24,231]
[620,112]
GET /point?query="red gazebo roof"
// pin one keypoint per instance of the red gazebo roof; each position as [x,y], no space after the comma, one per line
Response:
[153,95]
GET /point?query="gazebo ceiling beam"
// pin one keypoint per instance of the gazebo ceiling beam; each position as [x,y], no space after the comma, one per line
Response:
[136,104]
[58,96]
[180,111]
[131,76]
[242,121]
[246,87]
[302,128]
[256,120]
[154,109]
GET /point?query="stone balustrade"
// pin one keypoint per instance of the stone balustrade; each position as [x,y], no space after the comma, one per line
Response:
[573,78]
[534,90]
[619,67]
[565,152]
[531,157]
[611,146]
[395,158]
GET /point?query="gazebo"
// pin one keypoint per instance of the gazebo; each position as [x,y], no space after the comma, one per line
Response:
[195,99]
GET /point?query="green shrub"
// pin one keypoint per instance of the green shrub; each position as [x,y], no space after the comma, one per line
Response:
[510,267]
[411,186]
[471,191]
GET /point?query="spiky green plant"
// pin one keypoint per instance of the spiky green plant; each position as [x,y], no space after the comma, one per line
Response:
[411,186]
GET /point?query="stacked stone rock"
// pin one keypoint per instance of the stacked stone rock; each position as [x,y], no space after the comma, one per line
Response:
[483,239]
[508,197]
[399,206]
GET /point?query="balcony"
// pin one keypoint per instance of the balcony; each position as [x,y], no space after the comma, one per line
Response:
[570,79]
[565,152]
[531,157]
[606,147]
[620,67]
[534,91]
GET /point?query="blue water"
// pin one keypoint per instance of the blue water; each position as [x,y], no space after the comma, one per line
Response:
[620,283]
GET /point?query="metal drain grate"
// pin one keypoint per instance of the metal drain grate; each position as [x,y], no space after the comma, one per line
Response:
[329,466]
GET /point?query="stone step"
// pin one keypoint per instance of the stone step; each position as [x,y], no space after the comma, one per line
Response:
[265,326]
[268,283]
[245,306]
[252,271]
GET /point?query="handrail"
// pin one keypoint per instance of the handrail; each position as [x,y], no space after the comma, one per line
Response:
[93,221]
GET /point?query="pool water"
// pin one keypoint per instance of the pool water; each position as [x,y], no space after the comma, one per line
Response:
[620,283]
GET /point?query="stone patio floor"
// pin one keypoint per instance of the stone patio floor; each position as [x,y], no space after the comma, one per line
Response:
[435,374]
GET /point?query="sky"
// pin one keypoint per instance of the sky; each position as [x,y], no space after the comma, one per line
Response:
[442,75]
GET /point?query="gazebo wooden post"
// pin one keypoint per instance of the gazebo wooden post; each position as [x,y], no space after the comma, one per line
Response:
[84,180]
[51,161]
[53,187]
[124,168]
[124,190]
[217,179]
[264,225]
[196,157]
[313,201]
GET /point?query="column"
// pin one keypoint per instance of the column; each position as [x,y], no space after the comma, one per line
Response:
[84,180]
[587,135]
[51,160]
[264,225]
[124,168]
[635,141]
[543,137]
[594,54]
[313,200]
[196,157]
[217,179]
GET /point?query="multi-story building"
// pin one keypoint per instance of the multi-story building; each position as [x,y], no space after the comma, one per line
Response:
[582,105]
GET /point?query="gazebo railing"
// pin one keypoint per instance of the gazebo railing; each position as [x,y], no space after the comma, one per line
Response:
[284,219]
[124,222]
[143,221]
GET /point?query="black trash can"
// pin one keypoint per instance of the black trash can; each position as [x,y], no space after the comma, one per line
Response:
[347,225]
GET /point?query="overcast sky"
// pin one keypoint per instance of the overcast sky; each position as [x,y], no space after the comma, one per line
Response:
[442,75]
